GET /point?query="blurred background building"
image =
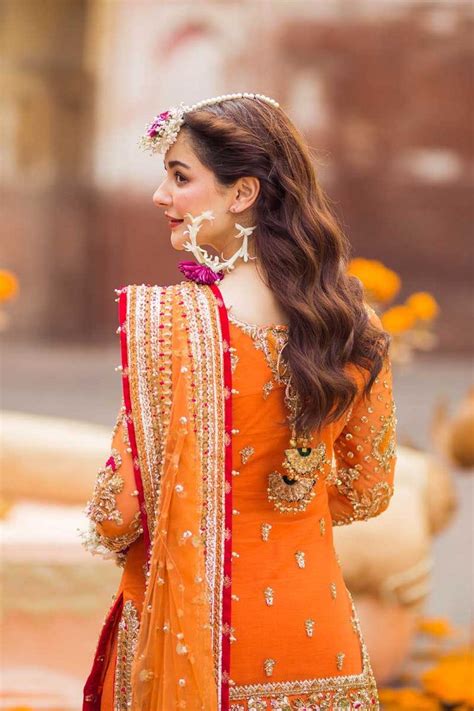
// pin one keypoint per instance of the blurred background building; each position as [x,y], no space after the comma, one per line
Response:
[379,88]
[382,90]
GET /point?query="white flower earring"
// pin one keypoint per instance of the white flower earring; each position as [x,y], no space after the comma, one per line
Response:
[243,233]
[210,269]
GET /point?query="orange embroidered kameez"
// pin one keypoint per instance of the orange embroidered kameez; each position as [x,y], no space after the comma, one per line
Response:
[291,630]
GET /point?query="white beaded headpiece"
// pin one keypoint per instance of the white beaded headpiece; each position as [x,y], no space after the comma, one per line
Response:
[163,131]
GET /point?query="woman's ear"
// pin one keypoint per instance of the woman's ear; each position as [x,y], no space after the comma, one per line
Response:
[246,192]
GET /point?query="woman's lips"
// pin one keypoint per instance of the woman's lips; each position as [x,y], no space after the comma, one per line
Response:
[174,223]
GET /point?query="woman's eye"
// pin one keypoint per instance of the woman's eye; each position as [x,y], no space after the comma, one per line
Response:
[180,178]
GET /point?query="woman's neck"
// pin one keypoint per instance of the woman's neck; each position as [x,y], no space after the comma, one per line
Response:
[248,297]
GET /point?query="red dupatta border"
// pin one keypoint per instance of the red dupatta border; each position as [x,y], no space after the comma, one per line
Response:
[122,313]
[227,577]
[93,685]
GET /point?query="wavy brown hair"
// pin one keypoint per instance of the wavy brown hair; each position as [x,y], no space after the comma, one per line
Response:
[301,251]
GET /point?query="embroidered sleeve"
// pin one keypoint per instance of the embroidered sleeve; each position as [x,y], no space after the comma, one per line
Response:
[361,482]
[113,509]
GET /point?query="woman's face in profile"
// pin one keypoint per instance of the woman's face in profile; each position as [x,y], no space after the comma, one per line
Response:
[191,187]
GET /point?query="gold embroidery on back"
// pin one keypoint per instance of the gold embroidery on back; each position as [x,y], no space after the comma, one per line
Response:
[271,340]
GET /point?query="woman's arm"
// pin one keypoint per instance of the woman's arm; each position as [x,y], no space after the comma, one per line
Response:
[113,509]
[361,482]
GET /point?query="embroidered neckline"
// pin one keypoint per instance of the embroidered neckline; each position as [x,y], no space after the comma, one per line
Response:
[253,329]
[271,340]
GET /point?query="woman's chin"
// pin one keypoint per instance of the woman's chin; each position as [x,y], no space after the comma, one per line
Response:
[177,240]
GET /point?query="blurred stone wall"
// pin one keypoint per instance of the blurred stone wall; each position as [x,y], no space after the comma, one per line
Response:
[46,194]
[379,88]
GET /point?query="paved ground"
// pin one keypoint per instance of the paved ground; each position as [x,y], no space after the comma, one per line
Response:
[80,382]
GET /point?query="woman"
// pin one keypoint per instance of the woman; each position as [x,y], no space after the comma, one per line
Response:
[257,413]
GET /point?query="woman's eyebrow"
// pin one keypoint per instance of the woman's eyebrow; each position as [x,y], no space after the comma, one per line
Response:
[174,163]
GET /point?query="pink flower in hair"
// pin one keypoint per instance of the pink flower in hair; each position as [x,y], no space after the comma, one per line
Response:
[163,131]
[157,123]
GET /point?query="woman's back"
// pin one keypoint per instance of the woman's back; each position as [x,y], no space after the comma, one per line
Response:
[292,620]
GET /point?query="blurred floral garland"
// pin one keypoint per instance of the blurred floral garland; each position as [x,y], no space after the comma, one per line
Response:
[8,290]
[439,675]
[410,324]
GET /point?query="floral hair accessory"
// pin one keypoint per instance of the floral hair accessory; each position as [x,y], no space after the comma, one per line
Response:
[163,131]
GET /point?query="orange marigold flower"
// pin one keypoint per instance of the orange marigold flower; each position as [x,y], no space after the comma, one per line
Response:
[451,679]
[398,319]
[8,285]
[5,507]
[407,698]
[435,627]
[380,283]
[424,305]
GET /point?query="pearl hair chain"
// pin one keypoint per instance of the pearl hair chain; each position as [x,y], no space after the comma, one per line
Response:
[226,97]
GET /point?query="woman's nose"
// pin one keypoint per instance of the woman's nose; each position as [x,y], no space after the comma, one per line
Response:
[160,197]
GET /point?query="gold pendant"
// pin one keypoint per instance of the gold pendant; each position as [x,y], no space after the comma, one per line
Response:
[289,495]
[293,491]
[305,461]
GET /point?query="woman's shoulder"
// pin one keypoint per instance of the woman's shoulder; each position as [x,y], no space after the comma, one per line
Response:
[184,284]
[153,291]
[128,288]
[149,302]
